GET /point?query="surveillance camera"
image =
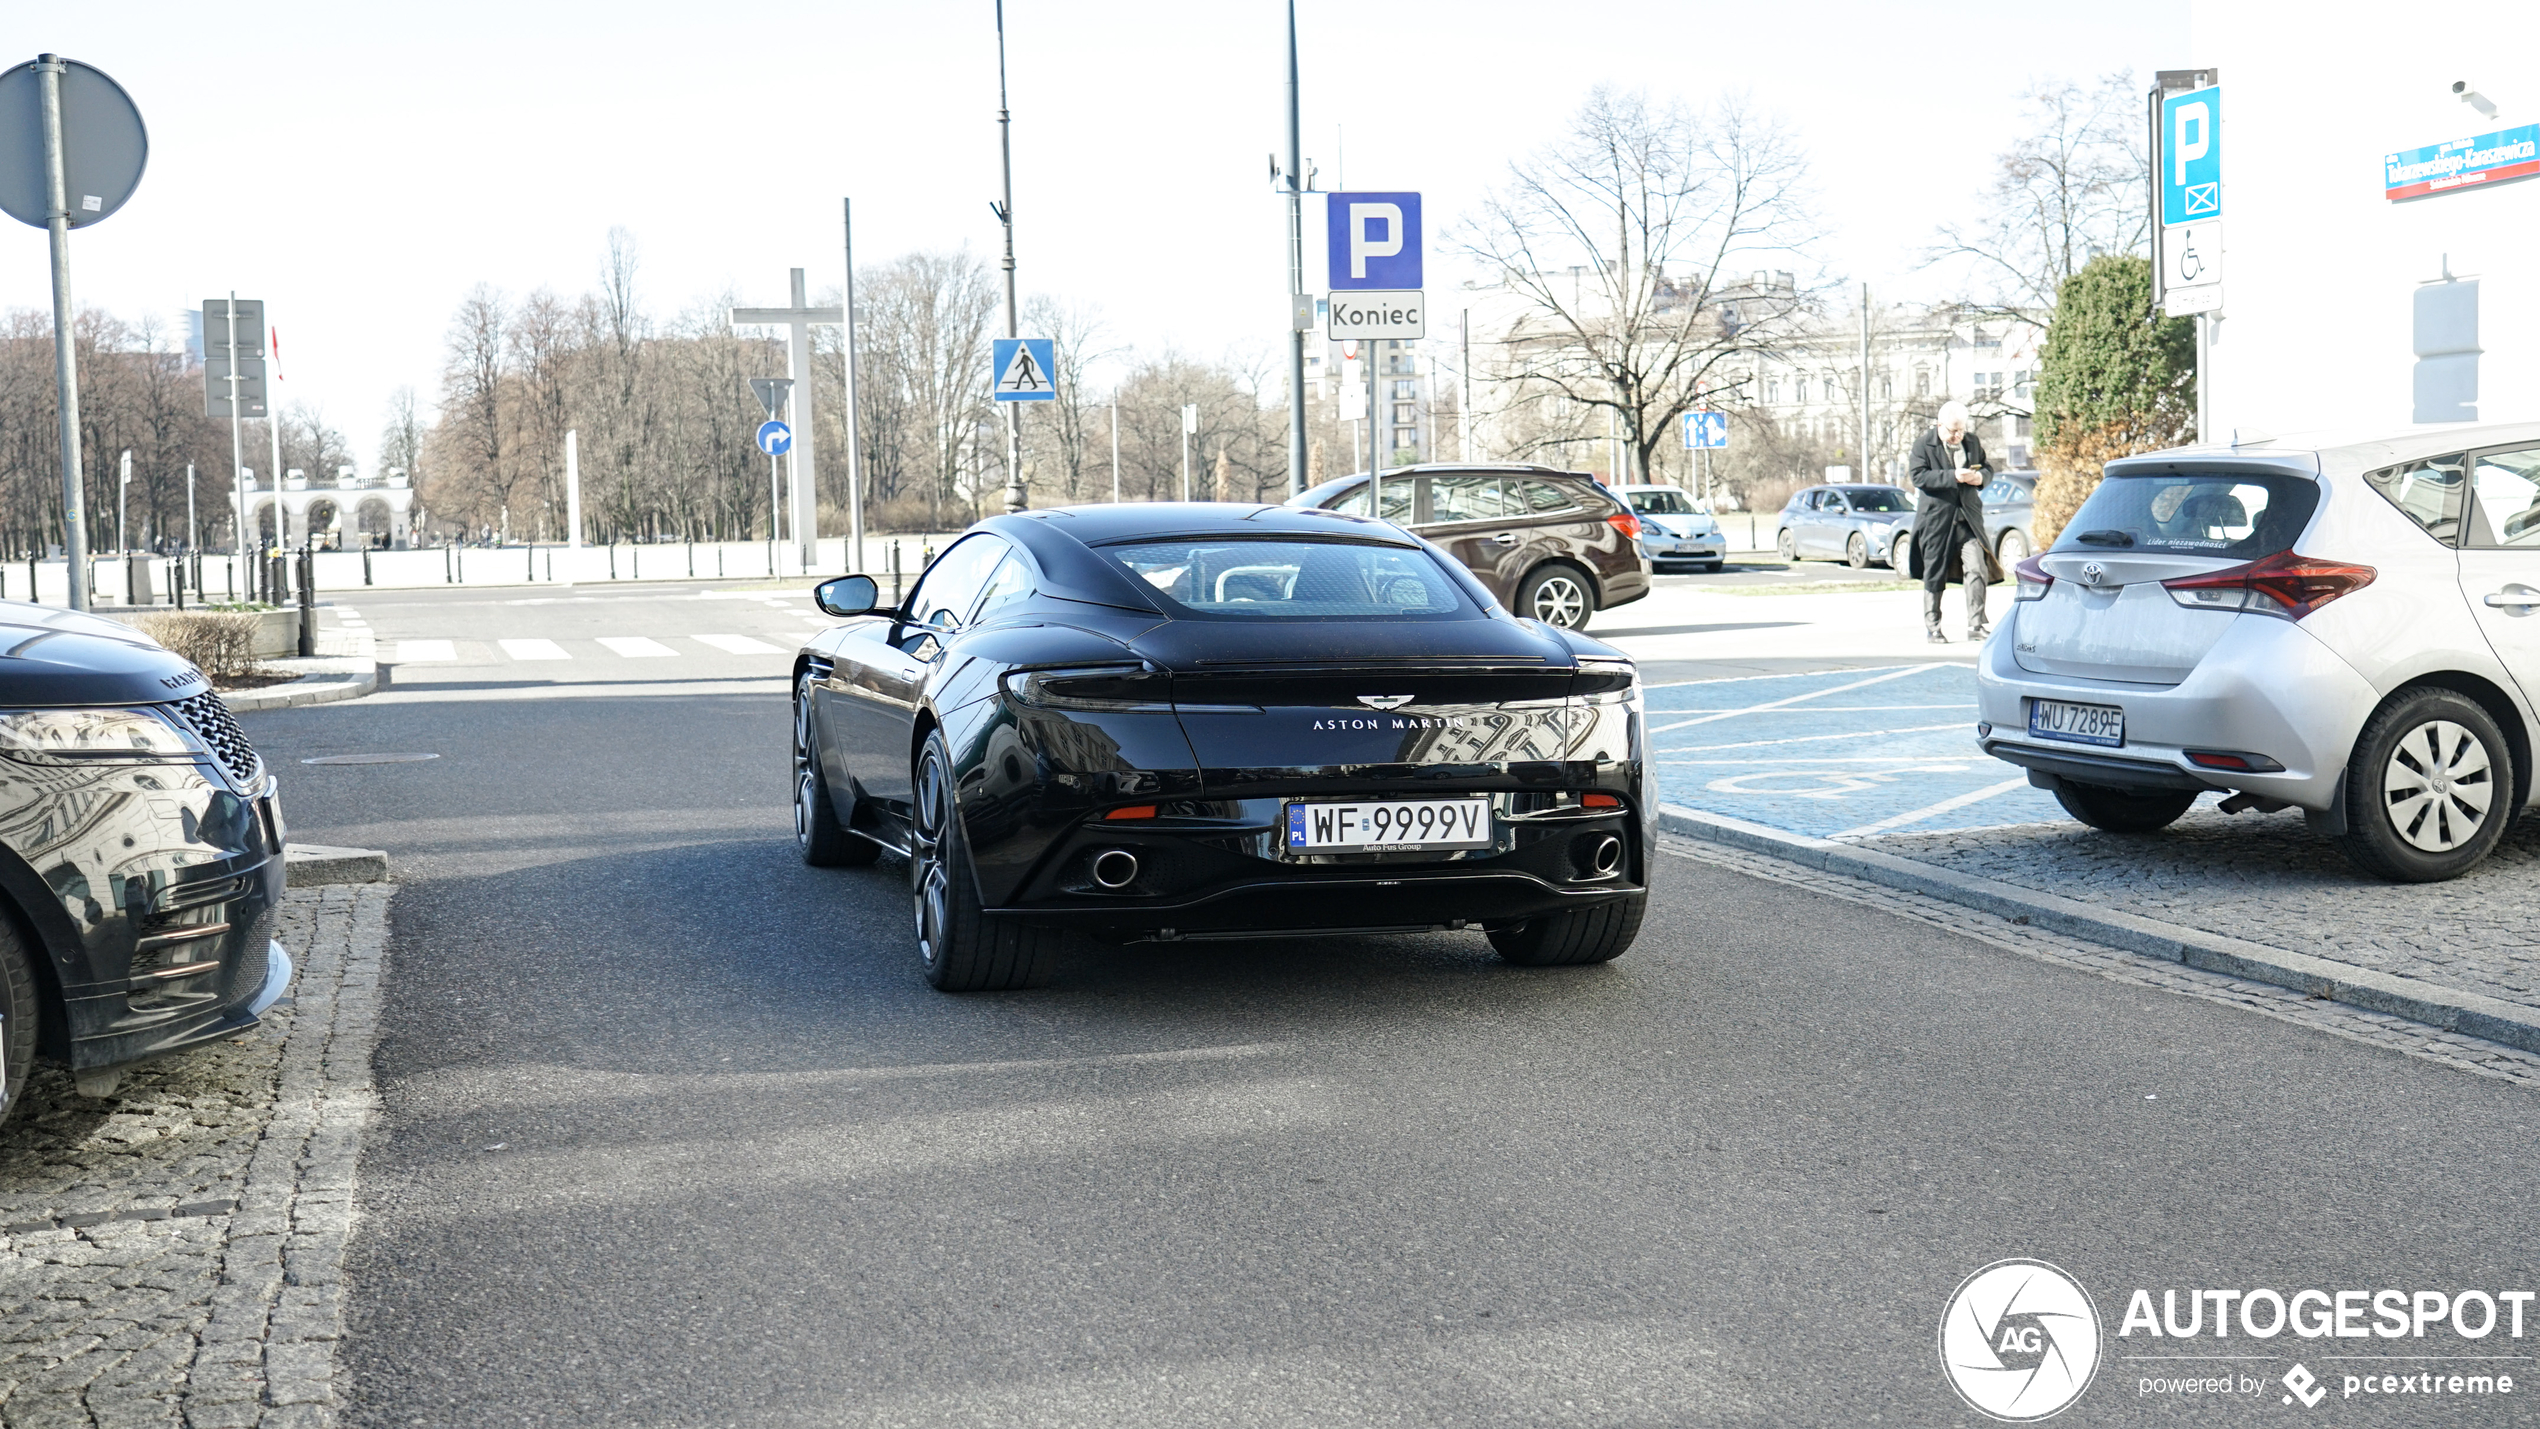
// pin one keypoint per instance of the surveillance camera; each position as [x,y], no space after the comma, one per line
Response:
[2473,98]
[2460,86]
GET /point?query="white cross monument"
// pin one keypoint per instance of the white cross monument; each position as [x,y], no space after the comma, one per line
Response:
[800,319]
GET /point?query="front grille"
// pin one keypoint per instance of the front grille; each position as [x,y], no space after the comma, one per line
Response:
[210,718]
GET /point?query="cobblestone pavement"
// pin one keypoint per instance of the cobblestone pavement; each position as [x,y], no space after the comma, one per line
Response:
[2267,878]
[2398,1034]
[172,1255]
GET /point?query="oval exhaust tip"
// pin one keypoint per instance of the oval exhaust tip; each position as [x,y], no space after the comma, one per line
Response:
[1115,868]
[1608,855]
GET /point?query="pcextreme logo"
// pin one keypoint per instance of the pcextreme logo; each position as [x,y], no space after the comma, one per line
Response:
[2019,1340]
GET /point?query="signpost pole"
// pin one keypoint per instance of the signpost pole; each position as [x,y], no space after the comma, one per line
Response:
[2204,376]
[1014,498]
[57,225]
[1115,449]
[855,450]
[237,439]
[573,494]
[1375,468]
[1296,274]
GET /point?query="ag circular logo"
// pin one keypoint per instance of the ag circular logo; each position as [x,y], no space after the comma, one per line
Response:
[2020,1340]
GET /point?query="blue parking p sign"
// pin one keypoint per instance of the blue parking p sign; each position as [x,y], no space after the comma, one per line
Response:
[1706,431]
[1375,241]
[2190,160]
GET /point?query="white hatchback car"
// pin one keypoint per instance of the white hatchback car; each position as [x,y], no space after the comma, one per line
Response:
[2350,630]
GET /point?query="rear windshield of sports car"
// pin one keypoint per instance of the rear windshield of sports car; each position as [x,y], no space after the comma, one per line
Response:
[1293,580]
[2234,515]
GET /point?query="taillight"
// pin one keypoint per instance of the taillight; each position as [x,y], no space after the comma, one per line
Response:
[2285,584]
[1625,522]
[1134,687]
[2032,580]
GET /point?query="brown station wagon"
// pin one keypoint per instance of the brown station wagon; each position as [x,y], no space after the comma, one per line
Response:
[1550,544]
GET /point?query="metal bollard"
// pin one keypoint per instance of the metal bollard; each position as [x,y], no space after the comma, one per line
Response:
[308,602]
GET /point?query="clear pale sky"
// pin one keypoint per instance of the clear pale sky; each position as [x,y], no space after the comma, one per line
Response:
[360,166]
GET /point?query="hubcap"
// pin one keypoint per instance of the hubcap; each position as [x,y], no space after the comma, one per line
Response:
[2439,786]
[932,883]
[1559,601]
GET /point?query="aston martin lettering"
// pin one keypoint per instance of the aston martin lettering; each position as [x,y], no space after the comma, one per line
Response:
[1396,722]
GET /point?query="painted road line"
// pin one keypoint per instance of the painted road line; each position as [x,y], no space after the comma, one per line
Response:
[1916,816]
[1804,739]
[635,647]
[1798,699]
[427,652]
[738,644]
[533,649]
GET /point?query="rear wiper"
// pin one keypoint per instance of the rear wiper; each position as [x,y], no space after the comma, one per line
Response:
[2106,538]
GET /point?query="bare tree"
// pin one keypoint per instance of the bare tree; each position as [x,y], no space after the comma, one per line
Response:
[1056,436]
[2072,187]
[1619,241]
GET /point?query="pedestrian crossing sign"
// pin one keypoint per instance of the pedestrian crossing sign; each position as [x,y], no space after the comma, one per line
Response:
[1023,370]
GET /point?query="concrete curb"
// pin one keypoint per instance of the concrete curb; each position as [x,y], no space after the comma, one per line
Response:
[2469,1013]
[306,865]
[353,680]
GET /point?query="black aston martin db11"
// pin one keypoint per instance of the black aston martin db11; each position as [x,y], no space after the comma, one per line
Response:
[1166,722]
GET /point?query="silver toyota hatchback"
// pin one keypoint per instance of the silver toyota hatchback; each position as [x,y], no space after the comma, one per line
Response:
[2351,630]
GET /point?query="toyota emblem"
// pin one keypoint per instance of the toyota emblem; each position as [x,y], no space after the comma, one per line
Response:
[2092,572]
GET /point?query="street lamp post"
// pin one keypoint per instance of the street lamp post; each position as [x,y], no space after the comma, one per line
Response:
[1014,498]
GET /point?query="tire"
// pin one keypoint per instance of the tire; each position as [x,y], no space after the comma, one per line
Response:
[1787,544]
[19,1018]
[1557,595]
[2123,811]
[2014,547]
[1856,552]
[2407,827]
[1900,553]
[816,829]
[1585,935]
[961,948]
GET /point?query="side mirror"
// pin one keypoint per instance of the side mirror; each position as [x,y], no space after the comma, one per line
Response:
[847,596]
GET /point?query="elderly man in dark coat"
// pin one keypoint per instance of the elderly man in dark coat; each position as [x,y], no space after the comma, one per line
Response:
[1949,468]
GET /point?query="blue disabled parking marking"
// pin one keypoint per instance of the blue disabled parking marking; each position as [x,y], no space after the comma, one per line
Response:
[1838,753]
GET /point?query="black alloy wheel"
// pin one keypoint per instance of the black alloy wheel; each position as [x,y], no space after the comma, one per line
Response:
[1856,552]
[2429,790]
[17,1017]
[1595,934]
[2123,811]
[961,947]
[816,829]
[1787,544]
[1558,596]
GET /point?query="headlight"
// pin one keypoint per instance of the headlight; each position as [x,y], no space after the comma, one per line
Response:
[82,736]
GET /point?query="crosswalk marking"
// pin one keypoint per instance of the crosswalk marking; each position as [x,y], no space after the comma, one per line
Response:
[533,650]
[417,652]
[739,645]
[635,646]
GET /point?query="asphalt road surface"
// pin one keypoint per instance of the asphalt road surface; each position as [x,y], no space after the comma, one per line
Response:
[673,1134]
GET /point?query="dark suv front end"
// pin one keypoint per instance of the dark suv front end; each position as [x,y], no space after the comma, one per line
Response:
[140,850]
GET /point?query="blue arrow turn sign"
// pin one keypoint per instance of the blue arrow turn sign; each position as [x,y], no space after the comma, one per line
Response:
[775,438]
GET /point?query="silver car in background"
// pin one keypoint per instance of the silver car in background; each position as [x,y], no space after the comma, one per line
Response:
[2352,630]
[1673,531]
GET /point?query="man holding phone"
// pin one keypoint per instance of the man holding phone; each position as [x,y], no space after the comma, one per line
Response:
[1949,468]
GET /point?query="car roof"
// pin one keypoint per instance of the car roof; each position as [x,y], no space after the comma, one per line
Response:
[2333,452]
[1062,539]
